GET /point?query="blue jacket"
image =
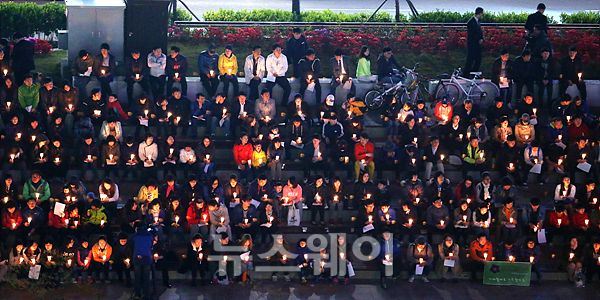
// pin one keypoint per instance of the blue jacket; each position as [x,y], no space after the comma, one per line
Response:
[142,246]
[237,214]
[207,62]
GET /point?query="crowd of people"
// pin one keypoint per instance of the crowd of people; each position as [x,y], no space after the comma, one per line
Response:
[58,141]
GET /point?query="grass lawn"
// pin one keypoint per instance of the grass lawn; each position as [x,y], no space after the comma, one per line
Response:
[49,64]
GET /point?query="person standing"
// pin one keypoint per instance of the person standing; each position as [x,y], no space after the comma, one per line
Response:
[176,68]
[157,62]
[295,49]
[142,253]
[537,18]
[474,43]
[22,57]
[254,69]
[277,66]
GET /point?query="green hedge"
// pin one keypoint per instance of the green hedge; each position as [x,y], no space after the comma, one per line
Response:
[29,18]
[440,16]
[277,15]
[181,15]
[587,17]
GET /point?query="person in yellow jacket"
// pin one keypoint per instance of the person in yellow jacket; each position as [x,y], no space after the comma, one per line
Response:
[101,253]
[259,157]
[228,68]
[473,157]
[147,193]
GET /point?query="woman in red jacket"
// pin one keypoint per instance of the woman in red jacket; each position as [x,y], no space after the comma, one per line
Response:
[242,154]
[11,217]
[197,217]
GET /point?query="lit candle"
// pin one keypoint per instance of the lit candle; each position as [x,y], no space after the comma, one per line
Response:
[18,135]
[104,258]
[245,221]
[594,200]
[511,220]
[222,220]
[534,111]
[460,136]
[451,254]
[67,222]
[387,217]
[309,77]
[284,258]
[560,161]
[75,222]
[89,157]
[579,75]
[586,222]
[531,259]
[212,73]
[559,221]
[37,196]
[413,160]
[342,255]
[485,255]
[97,112]
[110,157]
[560,137]
[126,261]
[146,113]
[176,75]
[155,256]
[70,107]
[224,111]
[14,225]
[204,217]
[571,255]
[176,219]
[33,261]
[464,218]
[417,200]
[41,155]
[103,72]
[169,114]
[8,103]
[583,155]
[370,219]
[137,76]
[442,222]
[102,222]
[57,160]
[234,195]
[5,71]
[368,196]
[441,157]
[568,119]
[511,258]
[33,137]
[421,260]
[155,219]
[86,261]
[410,221]
[387,257]
[335,198]
[69,262]
[481,154]
[511,166]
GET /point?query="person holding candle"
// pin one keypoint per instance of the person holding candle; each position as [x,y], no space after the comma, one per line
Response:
[438,217]
[580,221]
[571,73]
[242,153]
[565,191]
[122,258]
[574,258]
[419,253]
[104,68]
[84,260]
[508,220]
[136,70]
[309,73]
[129,151]
[440,187]
[244,218]
[265,110]
[533,216]
[592,260]
[228,69]
[101,259]
[502,74]
[180,107]
[317,198]
[268,220]
[141,113]
[196,259]
[48,260]
[276,158]
[148,153]
[364,152]
[175,214]
[316,157]
[531,253]
[462,217]
[176,69]
[474,157]
[303,260]
[434,154]
[259,159]
[96,217]
[12,222]
[558,224]
[579,154]
[524,131]
[197,217]
[480,251]
[218,216]
[448,250]
[232,191]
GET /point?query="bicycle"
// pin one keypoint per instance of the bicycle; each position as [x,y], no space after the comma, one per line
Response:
[409,89]
[478,90]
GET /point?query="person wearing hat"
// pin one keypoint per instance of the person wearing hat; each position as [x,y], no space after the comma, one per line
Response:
[420,253]
[309,72]
[328,108]
[502,74]
[122,257]
[176,69]
[228,69]
[105,66]
[208,66]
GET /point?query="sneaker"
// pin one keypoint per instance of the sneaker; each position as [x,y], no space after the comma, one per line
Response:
[274,278]
[425,279]
[411,279]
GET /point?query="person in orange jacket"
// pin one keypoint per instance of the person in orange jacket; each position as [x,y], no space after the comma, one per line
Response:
[480,251]
[101,252]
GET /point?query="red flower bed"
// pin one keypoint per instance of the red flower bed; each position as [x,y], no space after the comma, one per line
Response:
[42,46]
[420,40]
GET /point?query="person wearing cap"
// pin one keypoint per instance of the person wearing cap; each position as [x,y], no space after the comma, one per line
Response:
[122,257]
[571,73]
[105,66]
[340,72]
[228,69]
[277,66]
[295,48]
[208,67]
[176,69]
[254,71]
[136,70]
[420,253]
[443,111]
[328,108]
[309,72]
[502,75]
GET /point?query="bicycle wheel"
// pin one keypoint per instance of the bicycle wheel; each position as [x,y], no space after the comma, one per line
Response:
[373,99]
[449,90]
[484,95]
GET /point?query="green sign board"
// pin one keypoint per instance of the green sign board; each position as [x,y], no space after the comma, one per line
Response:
[506,273]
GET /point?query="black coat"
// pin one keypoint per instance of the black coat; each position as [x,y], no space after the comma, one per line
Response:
[22,56]
[474,33]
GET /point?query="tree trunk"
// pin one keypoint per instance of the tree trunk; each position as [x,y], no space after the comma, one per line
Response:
[296,9]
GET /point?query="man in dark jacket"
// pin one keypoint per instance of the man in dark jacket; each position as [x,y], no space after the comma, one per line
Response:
[105,66]
[502,75]
[176,69]
[309,72]
[537,18]
[136,71]
[524,73]
[208,67]
[340,71]
[22,57]
[386,63]
[474,43]
[82,70]
[295,49]
[571,72]
[546,73]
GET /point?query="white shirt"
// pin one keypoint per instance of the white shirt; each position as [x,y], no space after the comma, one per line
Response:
[157,65]
[276,65]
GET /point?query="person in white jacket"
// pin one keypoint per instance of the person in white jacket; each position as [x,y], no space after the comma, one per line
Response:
[187,159]
[148,153]
[277,66]
[254,70]
[157,62]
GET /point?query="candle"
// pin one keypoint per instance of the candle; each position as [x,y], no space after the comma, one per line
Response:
[33,138]
[511,258]
[104,257]
[485,255]
[284,258]
[33,261]
[200,255]
[222,220]
[51,109]
[410,221]
[421,260]
[368,196]
[5,71]
[464,218]
[103,72]
[468,134]
[171,150]
[267,119]
[57,160]
[511,220]
[155,256]
[146,113]
[417,200]
[442,157]
[559,221]
[89,157]
[176,219]
[560,161]
[571,255]
[126,261]
[387,217]
[579,75]
[511,166]
[132,156]
[335,198]
[67,222]
[309,77]
[70,107]
[583,155]
[370,218]
[41,155]
[451,254]
[204,217]
[586,222]
[387,257]
[37,196]
[169,114]
[568,119]
[97,112]
[102,222]
[110,157]
[535,228]
[260,136]
[534,111]
[18,135]
[560,137]
[14,225]
[137,76]
[276,157]
[460,136]
[342,78]
[155,219]
[594,200]
[69,262]
[342,255]
[176,75]
[245,221]
[224,111]
[75,222]
[21,260]
[234,195]
[212,73]
[481,154]
[531,259]
[86,261]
